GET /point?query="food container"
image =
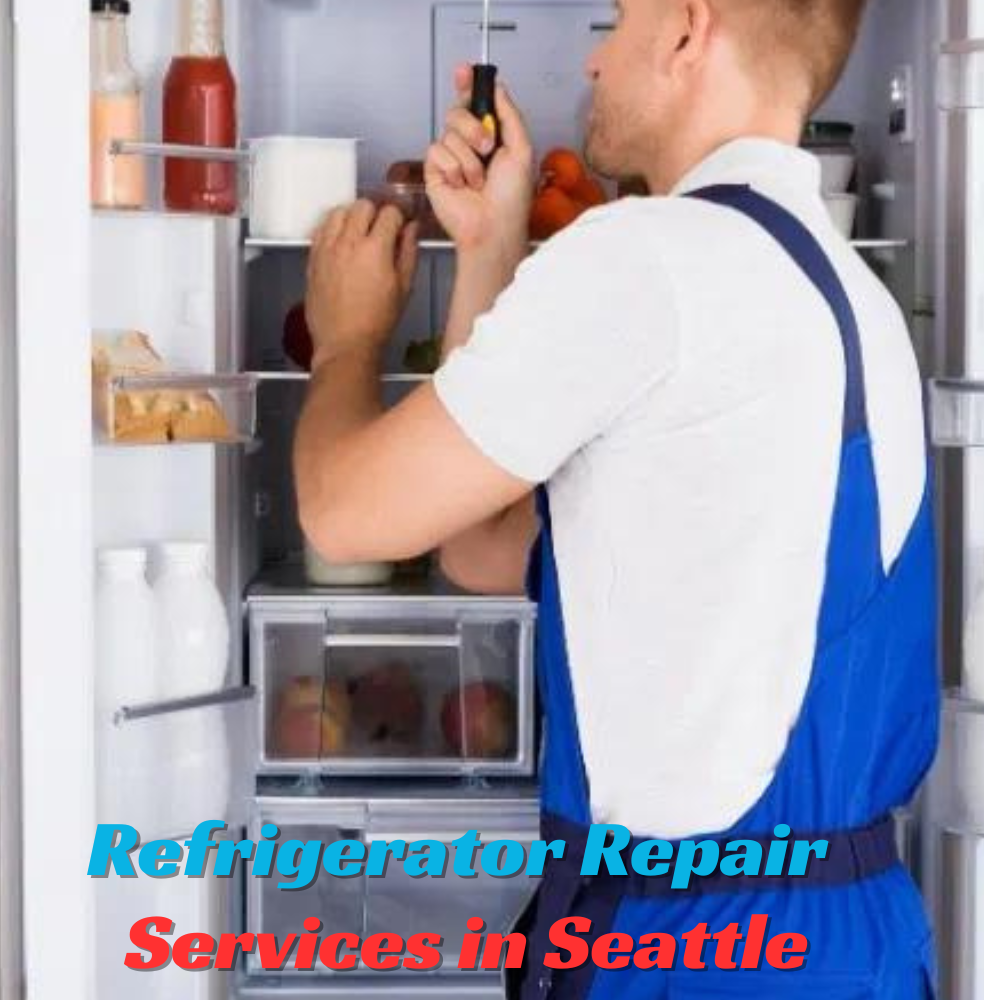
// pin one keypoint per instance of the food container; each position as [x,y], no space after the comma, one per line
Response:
[836,169]
[412,683]
[323,574]
[842,209]
[296,180]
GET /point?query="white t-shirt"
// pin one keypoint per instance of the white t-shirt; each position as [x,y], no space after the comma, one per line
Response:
[665,367]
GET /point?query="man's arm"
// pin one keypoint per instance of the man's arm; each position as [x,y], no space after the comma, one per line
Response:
[374,486]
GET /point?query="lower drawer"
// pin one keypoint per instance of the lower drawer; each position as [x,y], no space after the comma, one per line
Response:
[395,902]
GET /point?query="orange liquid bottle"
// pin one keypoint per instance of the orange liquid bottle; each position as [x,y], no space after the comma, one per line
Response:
[115,109]
[199,109]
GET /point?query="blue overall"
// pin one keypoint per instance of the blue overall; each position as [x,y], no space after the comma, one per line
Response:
[864,738]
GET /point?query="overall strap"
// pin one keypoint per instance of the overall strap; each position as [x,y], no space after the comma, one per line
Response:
[805,250]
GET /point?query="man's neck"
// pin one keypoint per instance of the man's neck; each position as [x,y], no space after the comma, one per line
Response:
[681,155]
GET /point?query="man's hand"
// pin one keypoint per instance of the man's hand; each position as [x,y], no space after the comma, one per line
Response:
[481,208]
[360,273]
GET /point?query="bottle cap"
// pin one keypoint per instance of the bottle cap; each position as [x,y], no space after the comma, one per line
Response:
[110,6]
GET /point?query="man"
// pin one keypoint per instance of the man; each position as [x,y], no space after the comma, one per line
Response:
[713,406]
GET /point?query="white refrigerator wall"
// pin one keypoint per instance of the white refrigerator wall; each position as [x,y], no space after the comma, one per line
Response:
[53,307]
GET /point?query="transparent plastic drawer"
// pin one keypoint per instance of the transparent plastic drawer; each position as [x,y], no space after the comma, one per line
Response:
[175,408]
[384,687]
[394,902]
[957,781]
[956,413]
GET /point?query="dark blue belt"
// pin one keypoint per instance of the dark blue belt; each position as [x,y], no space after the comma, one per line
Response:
[851,855]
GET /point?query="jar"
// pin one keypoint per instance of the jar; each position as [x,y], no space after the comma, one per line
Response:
[323,574]
[115,109]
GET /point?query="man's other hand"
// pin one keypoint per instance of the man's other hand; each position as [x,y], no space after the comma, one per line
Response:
[360,272]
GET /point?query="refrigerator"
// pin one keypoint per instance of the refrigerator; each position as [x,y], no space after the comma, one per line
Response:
[214,300]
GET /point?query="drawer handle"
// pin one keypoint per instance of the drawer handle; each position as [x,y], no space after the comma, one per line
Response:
[399,641]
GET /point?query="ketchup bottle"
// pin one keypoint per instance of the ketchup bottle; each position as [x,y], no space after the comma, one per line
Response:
[199,109]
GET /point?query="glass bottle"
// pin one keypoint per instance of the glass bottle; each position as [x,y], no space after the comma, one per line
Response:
[115,109]
[199,109]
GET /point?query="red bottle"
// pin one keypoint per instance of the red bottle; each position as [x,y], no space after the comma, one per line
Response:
[199,109]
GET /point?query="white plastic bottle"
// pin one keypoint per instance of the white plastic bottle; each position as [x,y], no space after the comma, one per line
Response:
[126,674]
[192,628]
[193,641]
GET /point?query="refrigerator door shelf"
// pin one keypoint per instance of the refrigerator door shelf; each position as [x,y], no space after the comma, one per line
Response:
[166,767]
[176,408]
[961,79]
[380,685]
[956,784]
[395,902]
[956,412]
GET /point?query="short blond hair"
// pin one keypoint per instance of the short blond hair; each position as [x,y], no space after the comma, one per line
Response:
[816,35]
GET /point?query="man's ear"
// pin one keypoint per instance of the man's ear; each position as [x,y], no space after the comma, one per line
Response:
[684,36]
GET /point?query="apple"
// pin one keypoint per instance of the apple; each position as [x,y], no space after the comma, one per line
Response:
[307,733]
[313,718]
[296,339]
[490,720]
[387,705]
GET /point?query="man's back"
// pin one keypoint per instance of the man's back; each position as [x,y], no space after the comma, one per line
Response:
[678,383]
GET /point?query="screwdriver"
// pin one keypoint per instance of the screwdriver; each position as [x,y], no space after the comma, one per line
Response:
[484,79]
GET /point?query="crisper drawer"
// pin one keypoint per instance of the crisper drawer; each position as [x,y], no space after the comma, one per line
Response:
[395,902]
[387,686]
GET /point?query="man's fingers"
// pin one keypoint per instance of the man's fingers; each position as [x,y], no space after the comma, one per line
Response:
[470,129]
[515,132]
[360,217]
[440,161]
[325,236]
[385,230]
[408,255]
[472,166]
[463,83]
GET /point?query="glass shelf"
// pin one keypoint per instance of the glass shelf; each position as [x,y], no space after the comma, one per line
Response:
[447,246]
[956,412]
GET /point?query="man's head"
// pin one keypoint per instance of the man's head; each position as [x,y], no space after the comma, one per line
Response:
[676,75]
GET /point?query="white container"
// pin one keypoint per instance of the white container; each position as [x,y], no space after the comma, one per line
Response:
[192,628]
[125,633]
[842,209]
[296,180]
[324,574]
[836,170]
[125,655]
[198,785]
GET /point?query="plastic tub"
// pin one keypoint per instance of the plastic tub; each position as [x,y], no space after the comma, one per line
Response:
[842,209]
[836,170]
[296,180]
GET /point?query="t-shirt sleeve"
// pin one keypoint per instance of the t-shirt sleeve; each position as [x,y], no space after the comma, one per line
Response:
[586,328]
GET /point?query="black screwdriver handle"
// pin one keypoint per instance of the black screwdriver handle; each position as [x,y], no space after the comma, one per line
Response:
[483,104]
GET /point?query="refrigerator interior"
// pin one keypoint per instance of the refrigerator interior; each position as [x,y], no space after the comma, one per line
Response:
[214,302]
